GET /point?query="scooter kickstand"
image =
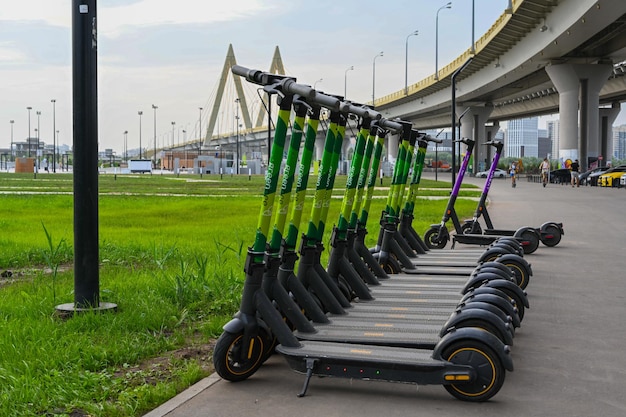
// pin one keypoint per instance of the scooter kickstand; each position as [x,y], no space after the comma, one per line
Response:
[310,363]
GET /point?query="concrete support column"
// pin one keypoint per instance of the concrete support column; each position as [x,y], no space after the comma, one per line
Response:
[473,126]
[567,84]
[579,82]
[318,151]
[393,142]
[607,118]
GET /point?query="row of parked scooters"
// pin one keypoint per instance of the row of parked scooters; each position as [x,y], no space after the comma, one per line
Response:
[395,312]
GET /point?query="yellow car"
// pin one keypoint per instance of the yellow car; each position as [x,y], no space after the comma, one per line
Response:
[612,176]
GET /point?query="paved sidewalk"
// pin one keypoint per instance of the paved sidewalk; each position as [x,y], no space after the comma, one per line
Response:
[568,356]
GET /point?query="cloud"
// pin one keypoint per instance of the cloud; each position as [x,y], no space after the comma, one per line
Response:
[116,16]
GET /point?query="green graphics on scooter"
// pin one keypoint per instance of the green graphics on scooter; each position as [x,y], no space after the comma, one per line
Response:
[406,227]
[470,362]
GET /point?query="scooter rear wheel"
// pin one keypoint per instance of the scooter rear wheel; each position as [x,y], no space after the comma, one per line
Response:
[552,236]
[488,367]
[227,356]
[531,242]
[432,239]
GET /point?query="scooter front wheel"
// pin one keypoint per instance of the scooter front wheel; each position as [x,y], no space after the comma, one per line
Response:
[433,240]
[391,266]
[231,363]
[489,370]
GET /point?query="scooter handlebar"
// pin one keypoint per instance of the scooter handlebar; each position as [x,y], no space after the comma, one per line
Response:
[429,138]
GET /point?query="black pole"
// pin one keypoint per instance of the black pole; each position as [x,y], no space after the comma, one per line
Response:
[269,127]
[453,111]
[85,116]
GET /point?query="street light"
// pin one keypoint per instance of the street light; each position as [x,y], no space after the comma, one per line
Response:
[38,133]
[126,145]
[28,139]
[315,83]
[200,130]
[237,121]
[37,144]
[173,124]
[374,77]
[406,62]
[54,142]
[140,113]
[345,80]
[12,121]
[155,109]
[447,6]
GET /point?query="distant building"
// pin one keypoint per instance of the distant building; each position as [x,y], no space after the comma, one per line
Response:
[619,142]
[553,135]
[522,138]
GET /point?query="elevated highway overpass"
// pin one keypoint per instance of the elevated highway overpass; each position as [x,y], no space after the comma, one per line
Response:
[539,57]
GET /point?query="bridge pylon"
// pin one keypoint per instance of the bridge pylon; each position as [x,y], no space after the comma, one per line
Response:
[276,67]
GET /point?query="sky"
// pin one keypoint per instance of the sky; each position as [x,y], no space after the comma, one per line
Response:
[171,54]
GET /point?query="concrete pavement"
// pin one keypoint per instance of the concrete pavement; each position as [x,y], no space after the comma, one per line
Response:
[568,355]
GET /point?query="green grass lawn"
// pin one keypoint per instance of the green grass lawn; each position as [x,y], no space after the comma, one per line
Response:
[172,252]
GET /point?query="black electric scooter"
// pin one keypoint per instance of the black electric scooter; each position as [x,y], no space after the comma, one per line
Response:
[470,362]
[438,235]
[550,233]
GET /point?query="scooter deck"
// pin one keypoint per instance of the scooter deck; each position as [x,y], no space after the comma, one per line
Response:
[421,336]
[440,270]
[447,262]
[387,291]
[352,351]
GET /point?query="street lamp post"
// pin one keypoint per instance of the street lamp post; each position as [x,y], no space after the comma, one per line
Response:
[406,62]
[54,141]
[12,121]
[140,151]
[28,139]
[155,133]
[315,83]
[345,80]
[173,134]
[446,6]
[237,143]
[37,148]
[200,131]
[126,145]
[374,78]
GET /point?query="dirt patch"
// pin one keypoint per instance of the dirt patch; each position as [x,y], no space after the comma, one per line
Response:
[162,368]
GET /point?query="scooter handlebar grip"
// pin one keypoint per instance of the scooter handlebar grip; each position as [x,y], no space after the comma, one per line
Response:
[429,138]
[324,100]
[249,74]
[290,86]
[360,111]
[389,124]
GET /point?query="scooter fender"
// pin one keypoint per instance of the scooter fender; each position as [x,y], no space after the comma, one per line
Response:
[502,305]
[459,318]
[543,227]
[473,316]
[494,252]
[503,273]
[518,232]
[510,286]
[479,280]
[244,323]
[493,264]
[521,261]
[471,333]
